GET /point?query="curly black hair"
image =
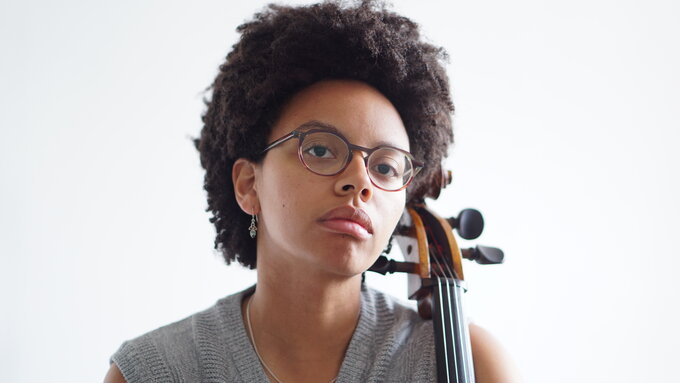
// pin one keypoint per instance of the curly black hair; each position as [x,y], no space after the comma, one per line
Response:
[285,49]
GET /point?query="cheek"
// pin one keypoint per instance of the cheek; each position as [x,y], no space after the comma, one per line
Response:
[392,213]
[282,202]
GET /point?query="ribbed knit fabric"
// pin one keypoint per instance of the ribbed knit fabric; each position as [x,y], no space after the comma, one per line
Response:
[390,344]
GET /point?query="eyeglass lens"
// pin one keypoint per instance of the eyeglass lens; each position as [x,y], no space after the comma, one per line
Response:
[327,154]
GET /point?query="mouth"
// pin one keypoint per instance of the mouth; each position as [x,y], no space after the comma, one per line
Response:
[345,226]
[348,220]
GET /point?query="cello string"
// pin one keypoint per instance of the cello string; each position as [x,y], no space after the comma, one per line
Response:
[462,331]
[446,313]
[451,284]
[468,351]
[438,256]
[459,345]
[444,337]
[450,325]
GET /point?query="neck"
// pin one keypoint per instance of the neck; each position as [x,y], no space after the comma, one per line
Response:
[300,320]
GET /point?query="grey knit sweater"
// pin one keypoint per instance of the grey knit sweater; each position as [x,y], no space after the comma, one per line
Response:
[390,344]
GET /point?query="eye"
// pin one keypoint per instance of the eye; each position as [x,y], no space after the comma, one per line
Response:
[387,164]
[385,170]
[319,151]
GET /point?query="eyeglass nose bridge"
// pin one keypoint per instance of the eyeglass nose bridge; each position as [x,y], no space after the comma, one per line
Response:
[367,151]
[360,149]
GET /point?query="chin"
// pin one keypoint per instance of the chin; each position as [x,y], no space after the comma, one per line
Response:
[342,254]
[349,265]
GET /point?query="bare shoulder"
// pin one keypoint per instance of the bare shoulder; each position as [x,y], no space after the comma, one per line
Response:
[114,375]
[492,362]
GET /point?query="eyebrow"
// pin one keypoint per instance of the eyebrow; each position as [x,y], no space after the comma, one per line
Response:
[319,124]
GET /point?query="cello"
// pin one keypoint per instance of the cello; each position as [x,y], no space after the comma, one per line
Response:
[436,281]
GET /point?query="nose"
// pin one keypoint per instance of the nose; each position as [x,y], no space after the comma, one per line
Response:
[355,179]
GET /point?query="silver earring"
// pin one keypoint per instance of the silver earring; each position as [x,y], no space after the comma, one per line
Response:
[253,227]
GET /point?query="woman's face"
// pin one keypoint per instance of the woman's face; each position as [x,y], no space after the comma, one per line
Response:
[293,230]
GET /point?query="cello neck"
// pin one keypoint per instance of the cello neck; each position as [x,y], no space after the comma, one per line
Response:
[452,338]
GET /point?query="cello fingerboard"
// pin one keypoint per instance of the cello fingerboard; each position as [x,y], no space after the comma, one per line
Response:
[454,357]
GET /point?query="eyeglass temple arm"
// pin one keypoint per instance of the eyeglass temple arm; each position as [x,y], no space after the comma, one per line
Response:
[281,140]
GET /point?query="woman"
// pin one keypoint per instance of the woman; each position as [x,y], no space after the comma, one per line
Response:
[320,121]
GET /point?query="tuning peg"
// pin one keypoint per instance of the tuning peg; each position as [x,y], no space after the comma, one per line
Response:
[469,223]
[383,265]
[484,255]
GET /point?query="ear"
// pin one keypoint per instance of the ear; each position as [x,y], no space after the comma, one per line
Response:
[243,177]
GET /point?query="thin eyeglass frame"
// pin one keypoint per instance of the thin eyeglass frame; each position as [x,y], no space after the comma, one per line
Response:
[300,135]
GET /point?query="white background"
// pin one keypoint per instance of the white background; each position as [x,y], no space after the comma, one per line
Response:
[566,139]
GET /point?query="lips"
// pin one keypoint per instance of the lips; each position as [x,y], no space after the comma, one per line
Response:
[348,220]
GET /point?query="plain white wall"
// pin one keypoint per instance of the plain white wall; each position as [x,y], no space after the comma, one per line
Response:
[566,139]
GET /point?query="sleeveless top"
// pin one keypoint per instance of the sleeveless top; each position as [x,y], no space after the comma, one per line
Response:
[391,343]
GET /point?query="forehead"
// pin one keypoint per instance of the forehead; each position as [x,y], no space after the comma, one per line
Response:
[358,111]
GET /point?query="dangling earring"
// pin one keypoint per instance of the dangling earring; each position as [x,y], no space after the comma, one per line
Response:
[253,227]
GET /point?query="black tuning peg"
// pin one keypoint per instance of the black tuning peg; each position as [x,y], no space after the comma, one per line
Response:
[383,266]
[469,223]
[484,255]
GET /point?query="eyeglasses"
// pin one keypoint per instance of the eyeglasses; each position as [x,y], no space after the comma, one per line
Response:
[327,153]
